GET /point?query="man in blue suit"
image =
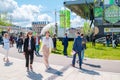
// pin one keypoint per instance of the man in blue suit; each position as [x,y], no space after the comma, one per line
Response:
[77,48]
[65,44]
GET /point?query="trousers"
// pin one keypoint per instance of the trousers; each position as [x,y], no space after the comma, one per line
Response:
[29,55]
[80,59]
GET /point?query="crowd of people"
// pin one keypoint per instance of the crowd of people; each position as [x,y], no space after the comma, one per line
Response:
[32,44]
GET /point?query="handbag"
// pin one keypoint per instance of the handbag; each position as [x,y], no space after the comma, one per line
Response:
[73,52]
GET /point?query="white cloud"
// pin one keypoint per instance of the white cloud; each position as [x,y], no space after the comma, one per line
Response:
[77,22]
[44,17]
[28,25]
[7,5]
[25,13]
[64,8]
[73,14]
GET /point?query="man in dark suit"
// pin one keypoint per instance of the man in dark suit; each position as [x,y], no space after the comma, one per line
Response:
[65,44]
[29,48]
[77,48]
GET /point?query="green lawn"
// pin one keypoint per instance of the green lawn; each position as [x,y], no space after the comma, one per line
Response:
[99,51]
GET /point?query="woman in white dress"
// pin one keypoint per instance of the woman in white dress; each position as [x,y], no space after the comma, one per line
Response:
[47,45]
[6,46]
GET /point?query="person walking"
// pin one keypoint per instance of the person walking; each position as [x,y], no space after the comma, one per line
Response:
[65,44]
[29,48]
[47,45]
[6,46]
[37,45]
[108,40]
[77,48]
[83,46]
[20,44]
[17,41]
[11,41]
[54,41]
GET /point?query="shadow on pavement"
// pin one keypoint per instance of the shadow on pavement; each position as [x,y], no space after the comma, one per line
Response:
[34,76]
[92,65]
[54,71]
[39,55]
[8,63]
[91,72]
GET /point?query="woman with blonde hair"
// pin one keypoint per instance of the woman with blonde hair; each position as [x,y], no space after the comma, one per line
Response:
[6,46]
[47,45]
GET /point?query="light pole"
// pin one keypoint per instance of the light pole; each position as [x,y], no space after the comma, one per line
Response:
[56,27]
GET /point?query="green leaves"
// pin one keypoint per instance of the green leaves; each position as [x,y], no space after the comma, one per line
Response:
[4,23]
[3,20]
[86,29]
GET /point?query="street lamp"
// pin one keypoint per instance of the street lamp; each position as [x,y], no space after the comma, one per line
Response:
[56,26]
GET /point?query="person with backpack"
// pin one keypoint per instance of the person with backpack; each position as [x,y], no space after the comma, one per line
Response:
[20,44]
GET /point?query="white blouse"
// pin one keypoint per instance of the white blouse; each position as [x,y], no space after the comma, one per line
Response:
[48,42]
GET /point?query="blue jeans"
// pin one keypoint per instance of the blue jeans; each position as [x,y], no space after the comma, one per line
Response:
[82,54]
[37,49]
[74,59]
[108,43]
[19,48]
[65,50]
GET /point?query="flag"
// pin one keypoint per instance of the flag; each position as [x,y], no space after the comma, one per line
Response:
[64,18]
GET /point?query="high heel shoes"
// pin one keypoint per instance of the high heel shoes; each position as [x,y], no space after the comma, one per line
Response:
[31,67]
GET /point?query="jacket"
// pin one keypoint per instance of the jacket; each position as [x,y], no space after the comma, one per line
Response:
[65,41]
[26,43]
[77,46]
[20,41]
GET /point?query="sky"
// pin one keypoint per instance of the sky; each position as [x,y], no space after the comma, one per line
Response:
[24,12]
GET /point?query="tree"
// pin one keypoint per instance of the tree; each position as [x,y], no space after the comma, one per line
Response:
[3,20]
[86,29]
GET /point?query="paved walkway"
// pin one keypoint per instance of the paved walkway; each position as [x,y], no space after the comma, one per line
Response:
[60,60]
[15,70]
[93,69]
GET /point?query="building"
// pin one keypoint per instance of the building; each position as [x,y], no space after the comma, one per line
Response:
[104,14]
[37,26]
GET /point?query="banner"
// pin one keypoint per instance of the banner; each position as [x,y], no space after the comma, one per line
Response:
[67,18]
[64,18]
[98,11]
[111,14]
[111,29]
[109,2]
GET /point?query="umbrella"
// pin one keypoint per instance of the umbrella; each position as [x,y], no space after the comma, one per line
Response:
[47,28]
